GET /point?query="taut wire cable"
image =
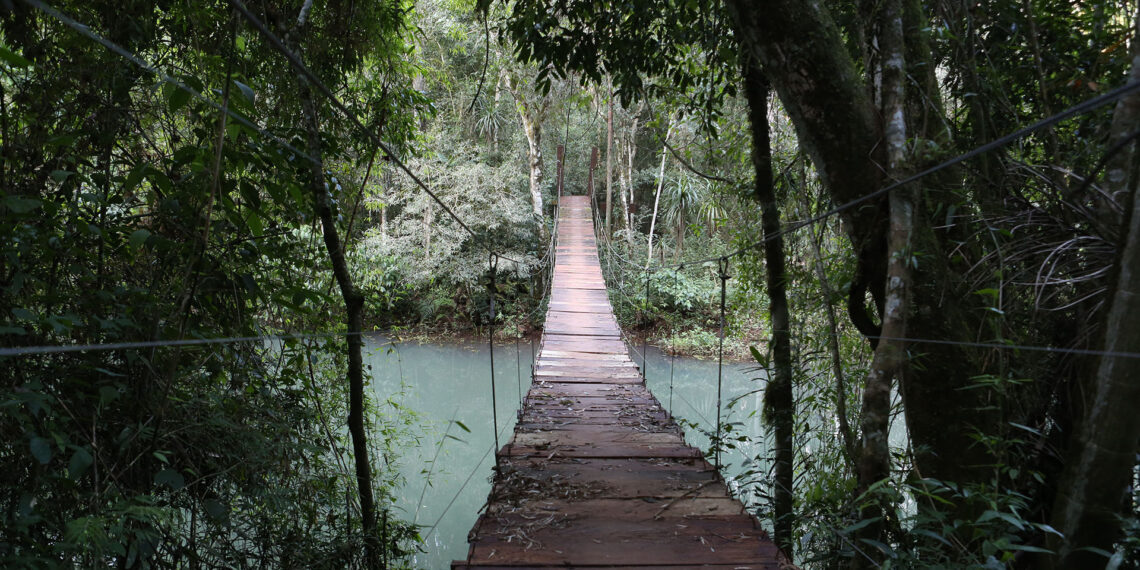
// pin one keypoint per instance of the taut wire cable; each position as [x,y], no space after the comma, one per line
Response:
[720,356]
[493,261]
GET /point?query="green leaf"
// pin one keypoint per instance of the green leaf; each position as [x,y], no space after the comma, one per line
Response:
[160,179]
[41,450]
[138,238]
[12,58]
[1025,427]
[859,525]
[246,91]
[1027,548]
[62,324]
[758,356]
[135,177]
[171,478]
[61,175]
[993,293]
[933,535]
[462,426]
[176,97]
[22,313]
[80,461]
[253,220]
[18,205]
[215,509]
[85,530]
[108,394]
[881,546]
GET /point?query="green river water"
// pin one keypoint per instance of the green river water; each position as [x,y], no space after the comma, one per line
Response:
[448,383]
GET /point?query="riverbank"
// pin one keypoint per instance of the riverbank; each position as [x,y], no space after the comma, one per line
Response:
[695,342]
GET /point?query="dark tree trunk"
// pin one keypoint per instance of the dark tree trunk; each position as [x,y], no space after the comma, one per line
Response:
[802,52]
[354,309]
[779,406]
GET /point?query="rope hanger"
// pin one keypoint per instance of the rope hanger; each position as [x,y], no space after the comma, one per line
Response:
[724,276]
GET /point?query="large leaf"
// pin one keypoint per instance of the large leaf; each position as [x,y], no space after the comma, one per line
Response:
[20,205]
[80,461]
[41,450]
[12,58]
[138,238]
[171,478]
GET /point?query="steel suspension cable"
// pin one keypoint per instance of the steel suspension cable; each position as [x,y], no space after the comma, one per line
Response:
[166,78]
[673,340]
[518,353]
[493,261]
[645,334]
[300,67]
[1078,109]
[720,356]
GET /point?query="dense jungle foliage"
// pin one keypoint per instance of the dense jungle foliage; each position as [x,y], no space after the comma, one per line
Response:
[195,238]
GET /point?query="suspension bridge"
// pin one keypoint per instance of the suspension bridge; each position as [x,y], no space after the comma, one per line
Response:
[597,473]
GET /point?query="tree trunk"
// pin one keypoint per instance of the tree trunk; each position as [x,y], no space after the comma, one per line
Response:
[560,162]
[1125,120]
[1096,481]
[533,132]
[629,197]
[890,359]
[354,309]
[624,195]
[680,236]
[802,52]
[609,163]
[590,178]
[779,405]
[657,197]
[531,114]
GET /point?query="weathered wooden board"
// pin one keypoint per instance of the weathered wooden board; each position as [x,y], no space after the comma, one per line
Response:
[597,474]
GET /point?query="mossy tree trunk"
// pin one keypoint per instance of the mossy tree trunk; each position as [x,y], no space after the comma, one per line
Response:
[779,404]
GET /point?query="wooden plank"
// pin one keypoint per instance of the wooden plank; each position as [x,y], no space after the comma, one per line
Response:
[609,541]
[610,450]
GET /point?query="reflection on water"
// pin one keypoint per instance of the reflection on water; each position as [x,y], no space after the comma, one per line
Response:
[693,400]
[450,468]
[446,383]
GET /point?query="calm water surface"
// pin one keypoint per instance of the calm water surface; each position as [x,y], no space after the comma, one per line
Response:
[448,384]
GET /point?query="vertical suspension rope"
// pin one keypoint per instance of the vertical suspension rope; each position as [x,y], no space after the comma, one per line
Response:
[673,337]
[493,261]
[720,356]
[518,352]
[645,333]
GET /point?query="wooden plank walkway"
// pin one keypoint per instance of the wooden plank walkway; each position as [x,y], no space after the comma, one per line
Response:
[597,473]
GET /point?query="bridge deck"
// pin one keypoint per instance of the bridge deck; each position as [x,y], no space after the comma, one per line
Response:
[597,474]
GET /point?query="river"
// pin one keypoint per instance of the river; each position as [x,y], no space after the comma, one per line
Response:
[449,384]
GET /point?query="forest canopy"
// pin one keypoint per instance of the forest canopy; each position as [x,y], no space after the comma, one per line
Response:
[207,206]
